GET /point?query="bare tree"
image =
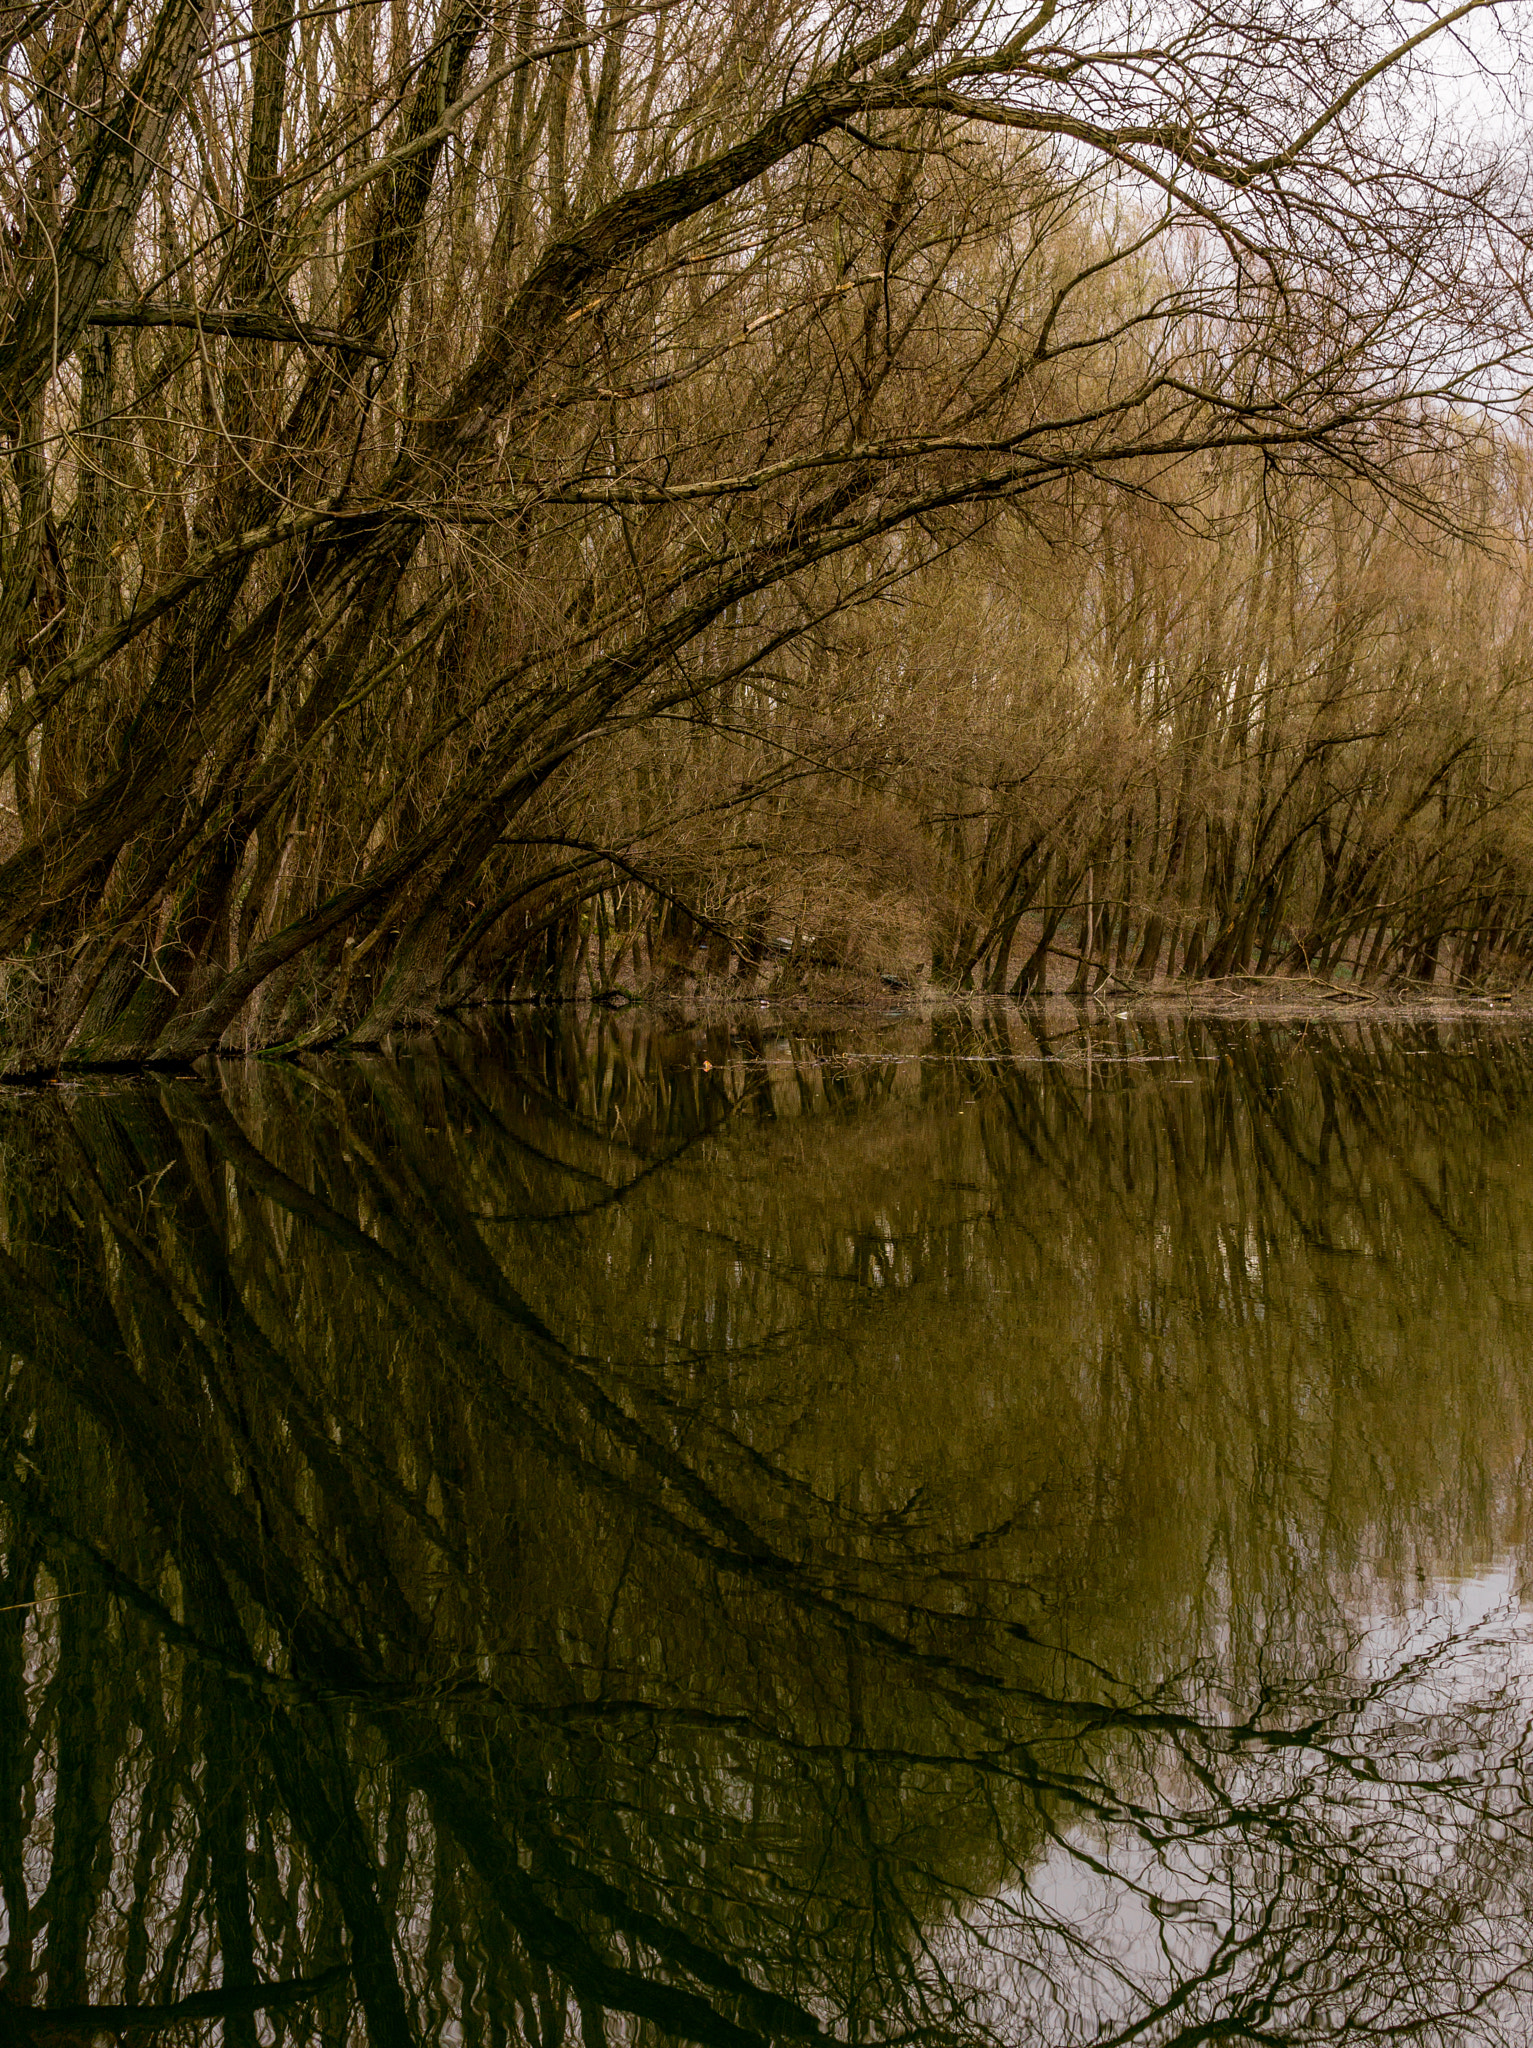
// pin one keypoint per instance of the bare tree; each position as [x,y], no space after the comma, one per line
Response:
[398,407]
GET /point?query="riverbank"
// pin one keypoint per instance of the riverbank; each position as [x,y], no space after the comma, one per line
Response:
[839,1002]
[1262,998]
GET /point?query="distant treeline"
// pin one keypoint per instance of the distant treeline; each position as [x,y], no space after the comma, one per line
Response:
[1299,741]
[511,496]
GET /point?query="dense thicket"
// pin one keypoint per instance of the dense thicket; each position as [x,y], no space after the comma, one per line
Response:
[491,482]
[1296,740]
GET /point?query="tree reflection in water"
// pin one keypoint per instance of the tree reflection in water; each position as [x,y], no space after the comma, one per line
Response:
[547,1540]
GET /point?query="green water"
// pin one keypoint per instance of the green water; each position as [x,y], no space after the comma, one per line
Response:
[928,1535]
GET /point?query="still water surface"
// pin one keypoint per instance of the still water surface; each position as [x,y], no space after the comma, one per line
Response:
[932,1536]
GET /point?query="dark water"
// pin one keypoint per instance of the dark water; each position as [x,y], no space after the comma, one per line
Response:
[927,1538]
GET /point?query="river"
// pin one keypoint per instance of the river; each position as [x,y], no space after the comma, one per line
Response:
[934,1532]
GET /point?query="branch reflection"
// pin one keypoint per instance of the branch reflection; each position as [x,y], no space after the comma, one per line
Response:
[581,1535]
